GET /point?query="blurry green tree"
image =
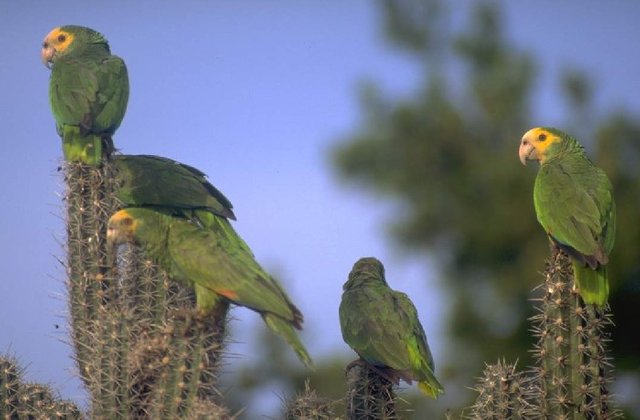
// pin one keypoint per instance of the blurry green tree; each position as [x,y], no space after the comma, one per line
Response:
[448,157]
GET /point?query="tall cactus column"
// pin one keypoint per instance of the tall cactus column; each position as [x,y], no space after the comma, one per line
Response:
[140,347]
[89,200]
[572,371]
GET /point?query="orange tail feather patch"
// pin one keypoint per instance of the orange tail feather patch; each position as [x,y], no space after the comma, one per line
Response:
[229,294]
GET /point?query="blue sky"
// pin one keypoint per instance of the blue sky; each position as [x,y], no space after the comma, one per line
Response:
[253,93]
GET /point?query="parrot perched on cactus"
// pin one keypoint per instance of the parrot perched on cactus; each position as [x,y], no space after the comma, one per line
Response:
[574,204]
[88,91]
[382,326]
[162,183]
[214,260]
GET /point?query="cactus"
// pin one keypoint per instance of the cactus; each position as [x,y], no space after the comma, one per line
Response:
[369,394]
[571,377]
[572,374]
[9,384]
[19,400]
[501,393]
[142,349]
[308,406]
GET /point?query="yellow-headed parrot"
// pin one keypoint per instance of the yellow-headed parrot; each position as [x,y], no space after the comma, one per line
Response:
[88,91]
[213,260]
[574,204]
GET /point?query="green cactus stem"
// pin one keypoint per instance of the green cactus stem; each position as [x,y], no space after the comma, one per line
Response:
[307,405]
[501,392]
[369,394]
[19,400]
[572,373]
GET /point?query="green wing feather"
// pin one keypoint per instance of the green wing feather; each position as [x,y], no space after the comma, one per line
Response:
[218,264]
[574,203]
[154,181]
[382,326]
[88,94]
[91,91]
[420,357]
[218,260]
[373,328]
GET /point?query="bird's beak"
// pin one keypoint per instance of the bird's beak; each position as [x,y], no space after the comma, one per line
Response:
[110,237]
[47,54]
[527,152]
[112,247]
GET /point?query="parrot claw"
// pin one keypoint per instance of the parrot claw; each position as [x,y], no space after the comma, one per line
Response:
[357,362]
[378,371]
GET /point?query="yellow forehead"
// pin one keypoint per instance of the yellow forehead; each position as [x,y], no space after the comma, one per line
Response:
[541,139]
[123,217]
[59,39]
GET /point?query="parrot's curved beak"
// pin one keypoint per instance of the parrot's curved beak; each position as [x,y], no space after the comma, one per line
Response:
[112,247]
[527,152]
[115,238]
[111,237]
[47,54]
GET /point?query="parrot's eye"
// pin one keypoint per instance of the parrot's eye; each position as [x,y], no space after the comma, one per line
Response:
[542,137]
[128,221]
[62,38]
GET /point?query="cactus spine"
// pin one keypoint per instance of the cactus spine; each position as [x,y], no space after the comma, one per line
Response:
[501,393]
[309,406]
[20,400]
[369,394]
[571,375]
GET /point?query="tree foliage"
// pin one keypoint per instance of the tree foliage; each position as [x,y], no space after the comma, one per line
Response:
[448,155]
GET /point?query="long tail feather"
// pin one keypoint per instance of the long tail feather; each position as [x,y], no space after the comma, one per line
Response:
[86,148]
[285,330]
[592,284]
[429,384]
[431,389]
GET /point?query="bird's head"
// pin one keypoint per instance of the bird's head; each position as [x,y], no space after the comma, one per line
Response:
[537,143]
[365,270]
[63,40]
[122,228]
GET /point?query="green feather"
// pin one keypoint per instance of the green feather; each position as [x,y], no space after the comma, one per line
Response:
[574,203]
[592,284]
[154,181]
[219,265]
[382,326]
[89,90]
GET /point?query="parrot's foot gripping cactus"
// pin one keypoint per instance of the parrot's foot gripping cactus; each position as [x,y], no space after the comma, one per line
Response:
[19,400]
[370,395]
[572,374]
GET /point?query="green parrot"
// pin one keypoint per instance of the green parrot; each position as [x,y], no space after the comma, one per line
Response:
[215,261]
[382,326]
[88,91]
[162,183]
[574,204]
